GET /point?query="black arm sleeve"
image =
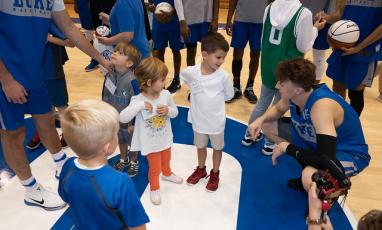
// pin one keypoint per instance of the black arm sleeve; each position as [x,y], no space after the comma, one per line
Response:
[324,158]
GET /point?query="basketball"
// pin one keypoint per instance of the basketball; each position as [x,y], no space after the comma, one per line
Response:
[162,8]
[343,33]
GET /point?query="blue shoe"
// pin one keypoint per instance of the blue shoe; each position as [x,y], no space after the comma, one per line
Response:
[93,65]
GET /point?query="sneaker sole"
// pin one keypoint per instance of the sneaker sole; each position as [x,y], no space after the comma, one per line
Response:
[196,182]
[175,182]
[246,144]
[132,175]
[90,70]
[46,208]
[32,148]
[267,153]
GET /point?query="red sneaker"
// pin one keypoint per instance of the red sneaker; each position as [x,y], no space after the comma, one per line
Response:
[213,182]
[198,174]
[35,142]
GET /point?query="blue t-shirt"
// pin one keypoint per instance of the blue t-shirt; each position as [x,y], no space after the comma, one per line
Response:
[350,137]
[84,191]
[173,24]
[128,16]
[24,28]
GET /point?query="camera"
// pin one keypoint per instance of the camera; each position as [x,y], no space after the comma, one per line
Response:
[329,188]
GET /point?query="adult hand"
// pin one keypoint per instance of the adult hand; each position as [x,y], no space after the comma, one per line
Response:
[255,127]
[184,30]
[228,28]
[104,40]
[106,64]
[149,106]
[278,151]
[350,51]
[104,17]
[14,91]
[68,43]
[214,25]
[162,110]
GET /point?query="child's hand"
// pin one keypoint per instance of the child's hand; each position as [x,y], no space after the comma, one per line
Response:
[68,43]
[104,17]
[130,128]
[162,110]
[149,106]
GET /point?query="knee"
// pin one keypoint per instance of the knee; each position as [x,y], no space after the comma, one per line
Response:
[15,137]
[306,177]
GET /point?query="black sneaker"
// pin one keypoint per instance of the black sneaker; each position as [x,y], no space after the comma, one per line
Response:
[174,86]
[268,148]
[34,143]
[237,94]
[296,184]
[248,141]
[250,95]
[133,168]
[121,165]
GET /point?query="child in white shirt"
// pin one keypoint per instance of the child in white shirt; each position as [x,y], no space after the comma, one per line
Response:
[152,110]
[210,88]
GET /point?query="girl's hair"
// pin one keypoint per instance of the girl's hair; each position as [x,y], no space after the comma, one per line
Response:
[150,69]
[130,51]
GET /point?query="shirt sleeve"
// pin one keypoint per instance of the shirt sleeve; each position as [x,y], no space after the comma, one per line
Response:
[132,110]
[125,18]
[130,205]
[179,9]
[305,31]
[228,87]
[185,76]
[172,109]
[58,5]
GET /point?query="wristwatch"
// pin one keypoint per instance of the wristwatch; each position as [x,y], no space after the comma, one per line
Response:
[313,221]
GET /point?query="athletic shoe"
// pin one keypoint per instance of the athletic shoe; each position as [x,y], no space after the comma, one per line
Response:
[296,184]
[248,141]
[121,165]
[236,94]
[379,98]
[63,142]
[198,174]
[268,148]
[155,197]
[132,171]
[213,182]
[250,95]
[34,143]
[43,198]
[174,86]
[93,65]
[173,178]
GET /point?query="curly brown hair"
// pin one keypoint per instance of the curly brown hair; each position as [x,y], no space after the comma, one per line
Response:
[371,221]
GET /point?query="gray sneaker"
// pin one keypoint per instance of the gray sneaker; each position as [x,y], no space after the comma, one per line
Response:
[132,171]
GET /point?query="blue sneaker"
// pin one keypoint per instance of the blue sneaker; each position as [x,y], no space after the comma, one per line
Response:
[93,65]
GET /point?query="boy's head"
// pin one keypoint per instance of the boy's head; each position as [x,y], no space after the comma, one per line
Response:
[149,71]
[125,56]
[90,127]
[295,76]
[214,49]
[371,221]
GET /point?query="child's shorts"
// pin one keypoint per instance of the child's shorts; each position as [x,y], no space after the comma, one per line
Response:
[58,91]
[161,39]
[124,137]
[201,140]
[198,32]
[242,32]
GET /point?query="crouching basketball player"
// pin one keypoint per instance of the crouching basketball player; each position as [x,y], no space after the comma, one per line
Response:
[325,132]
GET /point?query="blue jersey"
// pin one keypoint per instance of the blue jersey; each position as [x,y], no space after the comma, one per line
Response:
[128,16]
[368,16]
[171,25]
[350,137]
[24,28]
[87,191]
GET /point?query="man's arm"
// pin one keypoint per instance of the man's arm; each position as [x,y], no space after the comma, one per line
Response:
[120,37]
[215,16]
[231,10]
[323,114]
[13,90]
[62,20]
[373,37]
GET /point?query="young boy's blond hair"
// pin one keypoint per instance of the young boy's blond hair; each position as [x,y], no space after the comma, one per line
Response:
[130,51]
[88,126]
[150,69]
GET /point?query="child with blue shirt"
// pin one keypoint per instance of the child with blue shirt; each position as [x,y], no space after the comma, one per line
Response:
[99,196]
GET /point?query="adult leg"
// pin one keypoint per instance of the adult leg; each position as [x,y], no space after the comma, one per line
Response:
[357,100]
[159,54]
[237,65]
[253,66]
[339,88]
[191,53]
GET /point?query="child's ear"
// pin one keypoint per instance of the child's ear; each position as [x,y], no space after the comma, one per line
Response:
[106,150]
[129,64]
[149,82]
[204,54]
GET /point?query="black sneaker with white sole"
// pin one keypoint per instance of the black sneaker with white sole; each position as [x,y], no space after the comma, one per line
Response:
[174,86]
[268,148]
[236,94]
[248,141]
[250,95]
[132,171]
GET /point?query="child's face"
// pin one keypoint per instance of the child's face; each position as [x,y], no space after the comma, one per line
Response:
[214,60]
[119,60]
[158,85]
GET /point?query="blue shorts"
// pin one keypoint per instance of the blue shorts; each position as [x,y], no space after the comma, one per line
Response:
[58,93]
[242,32]
[162,38]
[12,114]
[353,163]
[349,72]
[321,42]
[124,137]
[198,32]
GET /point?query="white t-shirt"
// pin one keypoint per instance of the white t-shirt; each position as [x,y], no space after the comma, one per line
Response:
[152,133]
[208,96]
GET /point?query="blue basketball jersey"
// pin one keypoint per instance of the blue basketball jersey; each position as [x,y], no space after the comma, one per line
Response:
[349,134]
[171,25]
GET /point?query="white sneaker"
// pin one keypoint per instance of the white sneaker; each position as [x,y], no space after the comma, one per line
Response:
[43,198]
[155,197]
[58,172]
[268,148]
[173,178]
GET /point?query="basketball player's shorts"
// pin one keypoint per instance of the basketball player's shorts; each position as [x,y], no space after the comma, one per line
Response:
[12,114]
[243,32]
[58,91]
[162,39]
[321,42]
[201,140]
[353,163]
[349,72]
[197,32]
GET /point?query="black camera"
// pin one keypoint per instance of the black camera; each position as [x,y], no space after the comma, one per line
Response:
[329,188]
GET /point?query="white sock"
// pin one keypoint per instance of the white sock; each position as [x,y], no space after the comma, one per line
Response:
[319,62]
[59,158]
[29,184]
